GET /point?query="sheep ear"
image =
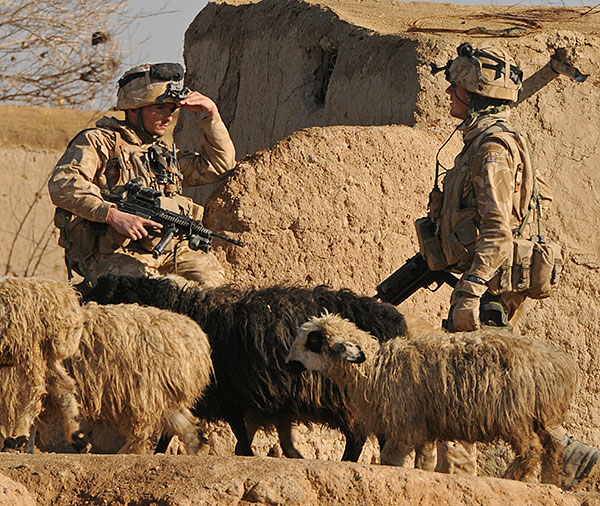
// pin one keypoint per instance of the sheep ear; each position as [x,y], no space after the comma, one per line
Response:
[349,351]
[314,341]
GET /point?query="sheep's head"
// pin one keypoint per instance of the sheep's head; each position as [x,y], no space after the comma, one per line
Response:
[324,340]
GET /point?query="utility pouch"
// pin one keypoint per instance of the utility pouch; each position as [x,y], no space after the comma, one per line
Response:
[62,218]
[546,268]
[430,245]
[503,280]
[436,200]
[460,244]
[534,269]
[523,256]
[108,239]
[75,234]
[182,205]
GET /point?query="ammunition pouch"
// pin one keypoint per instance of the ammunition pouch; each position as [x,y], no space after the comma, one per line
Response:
[534,269]
[430,245]
[459,245]
[78,241]
[546,268]
[182,205]
[75,236]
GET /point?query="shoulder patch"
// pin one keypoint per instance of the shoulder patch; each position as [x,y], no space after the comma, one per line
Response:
[490,159]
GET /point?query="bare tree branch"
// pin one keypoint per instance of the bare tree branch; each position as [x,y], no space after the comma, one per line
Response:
[60,52]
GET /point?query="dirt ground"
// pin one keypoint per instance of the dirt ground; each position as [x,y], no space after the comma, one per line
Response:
[325,197]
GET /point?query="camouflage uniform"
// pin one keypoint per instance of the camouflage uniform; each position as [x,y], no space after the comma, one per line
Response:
[486,197]
[485,201]
[112,154]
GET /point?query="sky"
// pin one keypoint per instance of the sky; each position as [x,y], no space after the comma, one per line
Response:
[160,38]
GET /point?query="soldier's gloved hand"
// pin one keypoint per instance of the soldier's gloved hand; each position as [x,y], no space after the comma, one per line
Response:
[465,313]
[466,300]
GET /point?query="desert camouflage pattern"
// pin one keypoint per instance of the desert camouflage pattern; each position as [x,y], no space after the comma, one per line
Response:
[111,155]
[142,91]
[88,165]
[486,197]
[484,81]
[203,268]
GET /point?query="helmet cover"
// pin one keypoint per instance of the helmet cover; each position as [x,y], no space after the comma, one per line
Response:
[151,84]
[483,71]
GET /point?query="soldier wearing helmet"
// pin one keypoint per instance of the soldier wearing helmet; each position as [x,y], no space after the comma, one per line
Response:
[479,212]
[485,202]
[99,238]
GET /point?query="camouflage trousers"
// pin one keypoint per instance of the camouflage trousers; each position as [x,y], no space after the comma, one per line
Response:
[203,268]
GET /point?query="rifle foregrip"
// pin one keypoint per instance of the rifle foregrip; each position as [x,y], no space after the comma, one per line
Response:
[165,240]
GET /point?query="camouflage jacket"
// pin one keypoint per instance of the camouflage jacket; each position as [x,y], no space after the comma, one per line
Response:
[486,197]
[91,163]
[113,154]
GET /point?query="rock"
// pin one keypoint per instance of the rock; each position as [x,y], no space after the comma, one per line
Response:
[14,494]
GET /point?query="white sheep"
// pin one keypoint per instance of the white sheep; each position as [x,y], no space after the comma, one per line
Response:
[138,369]
[40,325]
[475,387]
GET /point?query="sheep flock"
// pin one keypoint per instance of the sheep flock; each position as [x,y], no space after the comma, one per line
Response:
[477,386]
[151,358]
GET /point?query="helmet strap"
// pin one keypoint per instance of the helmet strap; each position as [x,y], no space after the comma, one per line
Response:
[468,104]
[138,126]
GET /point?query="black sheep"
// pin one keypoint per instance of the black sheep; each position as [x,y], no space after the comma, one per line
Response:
[250,332]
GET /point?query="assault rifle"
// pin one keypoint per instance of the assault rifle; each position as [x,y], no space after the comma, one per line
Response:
[414,274]
[134,198]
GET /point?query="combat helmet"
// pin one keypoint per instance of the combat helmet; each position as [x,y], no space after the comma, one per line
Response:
[150,84]
[484,72]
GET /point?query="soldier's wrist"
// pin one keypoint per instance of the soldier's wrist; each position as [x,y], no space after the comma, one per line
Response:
[471,289]
[104,211]
[474,279]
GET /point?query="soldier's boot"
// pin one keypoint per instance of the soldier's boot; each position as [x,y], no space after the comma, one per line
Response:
[457,458]
[580,462]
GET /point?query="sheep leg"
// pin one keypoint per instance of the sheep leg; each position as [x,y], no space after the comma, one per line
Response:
[163,443]
[139,447]
[136,443]
[30,446]
[552,458]
[528,450]
[62,387]
[354,446]
[283,425]
[425,456]
[252,425]
[394,453]
[184,424]
[284,430]
[243,445]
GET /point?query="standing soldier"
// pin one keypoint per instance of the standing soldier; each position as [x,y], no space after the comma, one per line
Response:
[488,201]
[99,238]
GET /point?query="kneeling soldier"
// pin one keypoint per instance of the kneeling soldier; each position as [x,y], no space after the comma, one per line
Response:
[99,238]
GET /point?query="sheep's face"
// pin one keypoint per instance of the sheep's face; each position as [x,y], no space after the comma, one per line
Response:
[322,341]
